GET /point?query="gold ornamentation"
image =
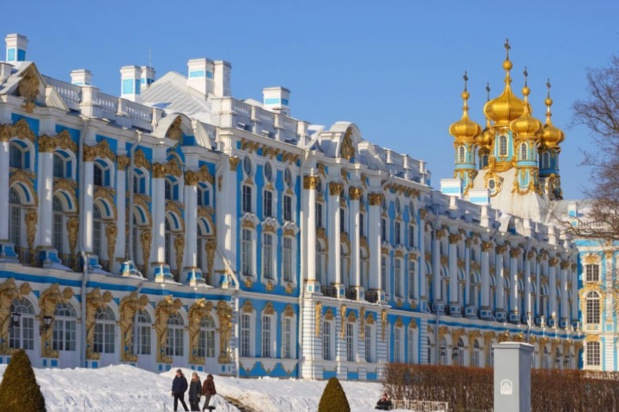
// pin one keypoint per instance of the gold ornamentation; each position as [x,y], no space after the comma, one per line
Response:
[159,170]
[514,252]
[270,286]
[224,312]
[146,237]
[191,178]
[24,177]
[565,264]
[200,310]
[553,261]
[166,307]
[383,324]
[94,300]
[172,168]
[20,129]
[31,218]
[48,300]
[122,161]
[288,311]
[248,282]
[355,193]
[111,231]
[375,199]
[247,307]
[174,131]
[335,188]
[268,309]
[454,238]
[107,194]
[310,182]
[289,288]
[179,249]
[140,160]
[46,144]
[234,162]
[28,88]
[8,293]
[343,321]
[73,225]
[129,306]
[347,150]
[362,323]
[211,245]
[500,249]
[90,153]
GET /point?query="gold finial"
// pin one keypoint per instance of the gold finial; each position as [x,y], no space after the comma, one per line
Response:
[466,79]
[487,92]
[507,64]
[465,94]
[548,101]
[525,89]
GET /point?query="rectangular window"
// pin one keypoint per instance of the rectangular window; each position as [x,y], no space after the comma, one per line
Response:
[287,339]
[397,345]
[350,342]
[383,273]
[593,309]
[268,203]
[361,224]
[96,238]
[246,199]
[246,253]
[342,220]
[245,332]
[210,343]
[411,346]
[104,338]
[383,229]
[326,340]
[15,225]
[593,353]
[592,273]
[17,156]
[411,279]
[175,341]
[287,265]
[398,277]
[318,215]
[143,338]
[288,208]
[397,234]
[58,232]
[368,344]
[266,336]
[98,176]
[411,236]
[267,256]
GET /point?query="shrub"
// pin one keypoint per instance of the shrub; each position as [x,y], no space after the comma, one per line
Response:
[19,390]
[333,398]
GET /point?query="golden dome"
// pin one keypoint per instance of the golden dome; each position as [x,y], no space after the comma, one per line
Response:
[507,107]
[551,136]
[465,130]
[526,125]
[486,137]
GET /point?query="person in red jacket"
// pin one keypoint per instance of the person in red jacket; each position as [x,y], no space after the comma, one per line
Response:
[208,390]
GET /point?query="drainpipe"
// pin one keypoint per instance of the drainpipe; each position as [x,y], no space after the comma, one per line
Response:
[82,355]
[301,289]
[129,246]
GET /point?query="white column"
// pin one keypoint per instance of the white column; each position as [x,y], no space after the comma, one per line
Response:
[564,291]
[574,276]
[453,268]
[513,274]
[46,193]
[355,257]
[158,213]
[375,200]
[436,265]
[333,232]
[485,275]
[422,260]
[467,271]
[552,284]
[527,286]
[309,184]
[4,188]
[499,272]
[88,194]
[191,220]
[121,205]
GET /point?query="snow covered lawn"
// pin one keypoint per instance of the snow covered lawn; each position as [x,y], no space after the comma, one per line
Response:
[125,388]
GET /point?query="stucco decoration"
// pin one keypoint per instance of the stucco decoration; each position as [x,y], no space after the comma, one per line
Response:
[224,312]
[200,310]
[48,301]
[94,300]
[9,291]
[28,88]
[166,307]
[129,306]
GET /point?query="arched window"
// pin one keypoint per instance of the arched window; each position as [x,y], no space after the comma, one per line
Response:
[475,361]
[206,339]
[593,353]
[412,345]
[168,242]
[97,231]
[247,253]
[287,337]
[171,189]
[593,307]
[105,322]
[245,335]
[546,359]
[204,195]
[98,175]
[350,341]
[175,343]
[14,218]
[58,224]
[287,266]
[247,199]
[143,337]
[21,336]
[320,263]
[383,273]
[327,333]
[18,156]
[344,265]
[442,360]
[412,279]
[65,328]
[558,360]
[459,353]
[267,256]
[139,182]
[59,166]
[502,145]
[545,160]
[461,154]
[523,151]
[365,271]
[369,338]
[429,349]
[397,345]
[267,335]
[168,190]
[201,252]
[398,281]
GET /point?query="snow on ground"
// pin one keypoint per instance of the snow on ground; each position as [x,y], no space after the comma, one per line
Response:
[126,388]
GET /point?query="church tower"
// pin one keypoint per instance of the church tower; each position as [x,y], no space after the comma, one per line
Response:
[549,155]
[465,132]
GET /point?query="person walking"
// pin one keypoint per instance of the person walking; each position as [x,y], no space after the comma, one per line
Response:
[208,390]
[195,392]
[179,387]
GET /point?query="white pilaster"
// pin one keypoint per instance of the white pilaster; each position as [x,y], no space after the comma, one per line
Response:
[574,277]
[121,221]
[527,287]
[46,193]
[422,262]
[485,275]
[436,265]
[4,189]
[564,292]
[159,267]
[87,203]
[191,224]
[333,232]
[355,257]
[513,274]
[552,285]
[500,283]
[374,241]
[309,186]
[453,269]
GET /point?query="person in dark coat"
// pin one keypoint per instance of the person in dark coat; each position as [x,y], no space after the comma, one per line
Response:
[179,387]
[384,403]
[208,390]
[195,392]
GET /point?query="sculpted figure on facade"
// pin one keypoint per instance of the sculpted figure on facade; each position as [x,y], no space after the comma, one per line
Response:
[146,238]
[111,231]
[129,307]
[94,301]
[73,225]
[199,311]
[31,218]
[48,301]
[211,245]
[179,249]
[8,293]
[28,88]
[165,308]
[224,312]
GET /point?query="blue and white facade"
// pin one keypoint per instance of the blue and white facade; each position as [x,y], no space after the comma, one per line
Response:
[178,225]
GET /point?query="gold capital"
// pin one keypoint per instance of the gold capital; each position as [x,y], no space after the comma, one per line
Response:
[191,178]
[90,153]
[335,188]
[47,144]
[234,162]
[375,199]
[158,170]
[355,193]
[123,162]
[310,182]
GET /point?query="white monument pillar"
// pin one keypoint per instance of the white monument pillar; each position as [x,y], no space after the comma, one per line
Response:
[512,376]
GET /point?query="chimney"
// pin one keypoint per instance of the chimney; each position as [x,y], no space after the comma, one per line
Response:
[276,99]
[200,75]
[81,77]
[147,78]
[16,45]
[222,78]
[130,83]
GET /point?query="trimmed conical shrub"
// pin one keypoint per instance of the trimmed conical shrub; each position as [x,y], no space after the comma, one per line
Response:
[19,390]
[333,398]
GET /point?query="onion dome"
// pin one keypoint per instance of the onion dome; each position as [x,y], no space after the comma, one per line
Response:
[465,130]
[507,107]
[551,136]
[526,125]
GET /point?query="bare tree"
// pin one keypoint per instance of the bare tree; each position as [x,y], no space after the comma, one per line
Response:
[600,113]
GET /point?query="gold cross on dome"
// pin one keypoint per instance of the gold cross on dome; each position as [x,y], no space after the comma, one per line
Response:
[488,91]
[507,47]
[466,79]
[526,74]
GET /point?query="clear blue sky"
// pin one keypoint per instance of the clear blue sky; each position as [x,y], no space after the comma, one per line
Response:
[392,67]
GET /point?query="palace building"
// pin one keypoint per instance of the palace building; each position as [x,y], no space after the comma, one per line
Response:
[176,225]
